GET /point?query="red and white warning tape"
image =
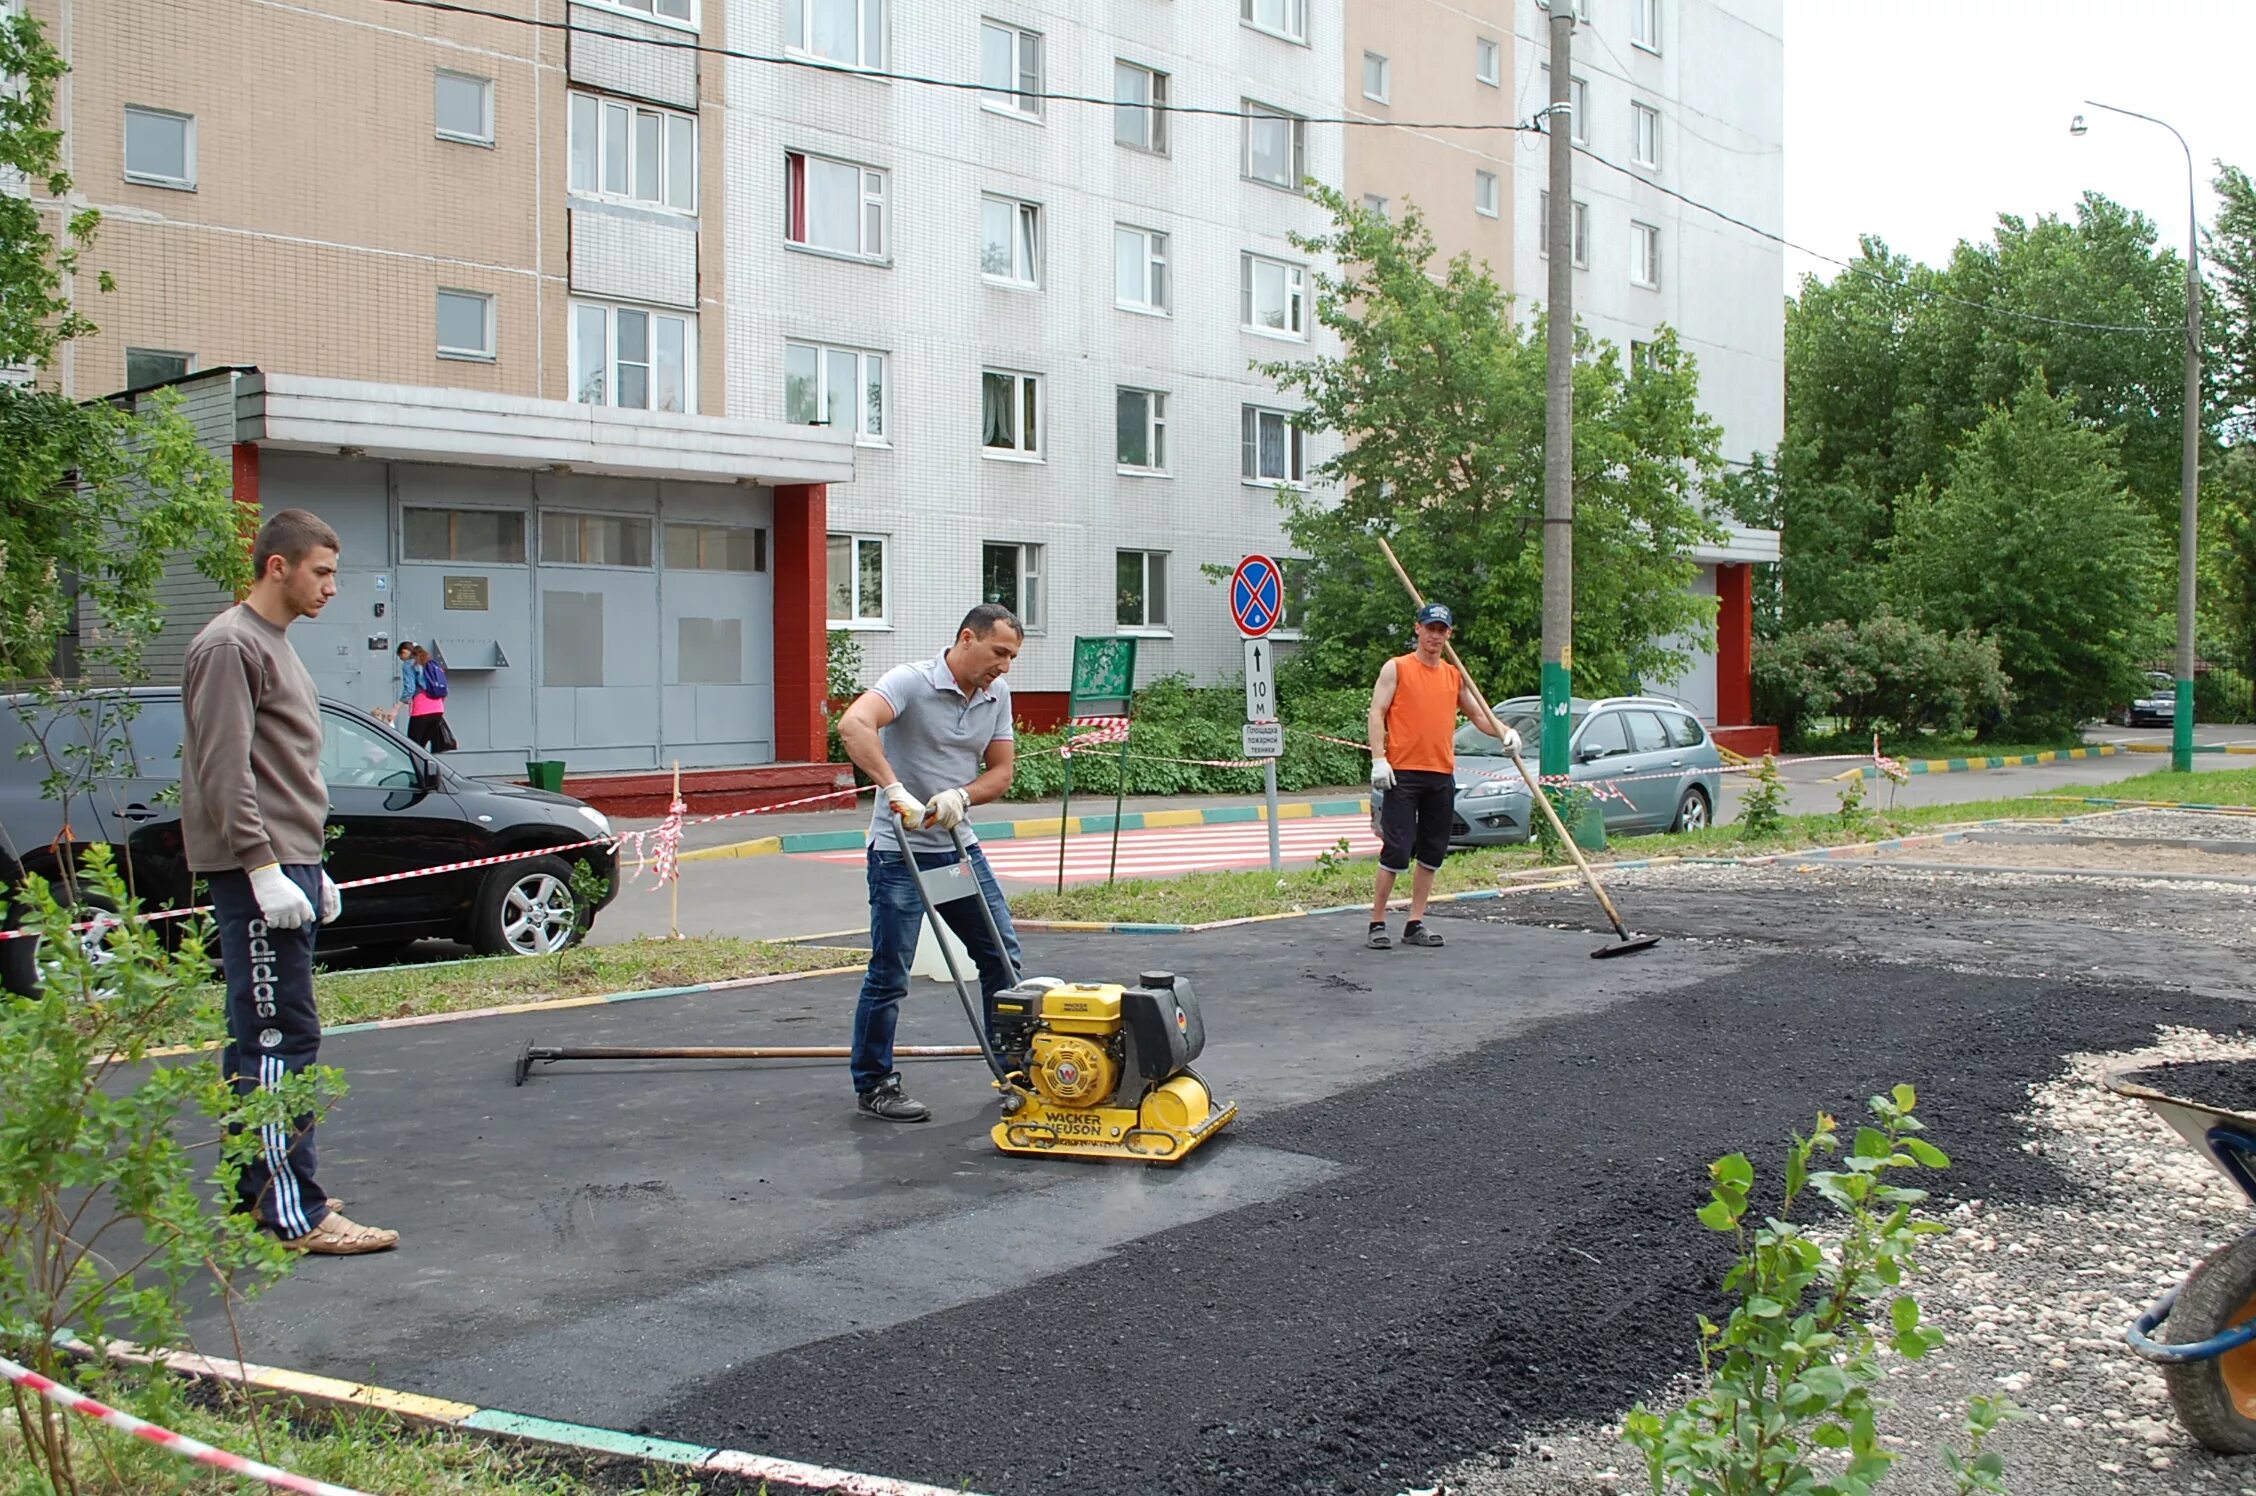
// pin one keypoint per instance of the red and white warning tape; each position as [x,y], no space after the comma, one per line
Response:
[1083,733]
[164,1438]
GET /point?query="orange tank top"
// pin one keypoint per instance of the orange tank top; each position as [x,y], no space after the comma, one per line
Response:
[1421,721]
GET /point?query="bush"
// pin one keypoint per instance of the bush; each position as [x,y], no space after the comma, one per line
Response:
[1886,675]
[2221,694]
[1176,720]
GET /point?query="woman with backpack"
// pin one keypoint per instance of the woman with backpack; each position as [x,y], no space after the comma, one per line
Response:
[423,689]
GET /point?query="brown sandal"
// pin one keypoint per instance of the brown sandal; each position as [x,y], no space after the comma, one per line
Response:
[338,1237]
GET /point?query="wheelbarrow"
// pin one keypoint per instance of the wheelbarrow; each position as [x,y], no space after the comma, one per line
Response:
[2203,1332]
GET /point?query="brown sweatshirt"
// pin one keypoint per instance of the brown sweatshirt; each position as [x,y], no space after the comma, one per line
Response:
[251,791]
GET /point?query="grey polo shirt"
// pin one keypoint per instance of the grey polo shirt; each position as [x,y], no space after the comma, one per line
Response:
[935,741]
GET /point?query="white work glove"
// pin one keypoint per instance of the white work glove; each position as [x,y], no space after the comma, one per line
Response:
[282,904]
[332,901]
[948,808]
[905,805]
[1382,775]
[1510,738]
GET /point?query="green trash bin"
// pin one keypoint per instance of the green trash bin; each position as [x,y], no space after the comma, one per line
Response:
[545,773]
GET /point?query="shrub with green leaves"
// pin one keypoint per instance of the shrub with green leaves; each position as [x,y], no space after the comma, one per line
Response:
[1885,674]
[109,1160]
[1174,720]
[1786,1405]
[1762,810]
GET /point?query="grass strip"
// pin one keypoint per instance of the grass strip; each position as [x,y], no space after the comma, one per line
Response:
[1202,897]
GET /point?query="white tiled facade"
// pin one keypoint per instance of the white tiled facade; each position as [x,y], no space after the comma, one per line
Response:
[1714,74]
[931,489]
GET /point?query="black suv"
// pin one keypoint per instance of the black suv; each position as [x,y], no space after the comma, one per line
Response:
[392,809]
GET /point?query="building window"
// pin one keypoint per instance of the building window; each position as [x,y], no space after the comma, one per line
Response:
[1374,205]
[594,540]
[684,11]
[466,324]
[1010,241]
[634,154]
[1645,24]
[1484,193]
[1142,589]
[1010,413]
[1141,445]
[1276,146]
[1272,296]
[857,581]
[1012,575]
[1646,141]
[1270,446]
[844,31]
[1581,231]
[715,548]
[1010,69]
[493,536]
[160,147]
[1285,18]
[1644,254]
[152,366]
[1375,77]
[1640,356]
[463,107]
[1488,61]
[632,357]
[1139,119]
[1139,266]
[842,388]
[834,205]
[1578,116]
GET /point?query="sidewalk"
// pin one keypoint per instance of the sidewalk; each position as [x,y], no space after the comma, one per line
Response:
[1093,811]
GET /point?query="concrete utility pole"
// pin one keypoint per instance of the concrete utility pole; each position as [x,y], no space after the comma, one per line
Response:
[2189,459]
[1558,403]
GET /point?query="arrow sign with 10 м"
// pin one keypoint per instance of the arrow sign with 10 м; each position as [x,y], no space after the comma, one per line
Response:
[1257,593]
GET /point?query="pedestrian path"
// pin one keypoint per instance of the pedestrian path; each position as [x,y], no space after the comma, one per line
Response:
[1160,853]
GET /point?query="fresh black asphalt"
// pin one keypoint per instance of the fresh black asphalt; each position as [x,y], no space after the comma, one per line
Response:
[1458,1204]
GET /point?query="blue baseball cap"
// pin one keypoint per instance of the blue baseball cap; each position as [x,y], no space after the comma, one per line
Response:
[1437,613]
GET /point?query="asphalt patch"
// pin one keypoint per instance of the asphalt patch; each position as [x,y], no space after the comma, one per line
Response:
[1508,1241]
[2227,1085]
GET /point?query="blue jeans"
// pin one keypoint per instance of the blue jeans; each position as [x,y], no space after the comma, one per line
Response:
[895,914]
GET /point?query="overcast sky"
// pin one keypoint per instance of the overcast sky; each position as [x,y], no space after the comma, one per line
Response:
[1921,121]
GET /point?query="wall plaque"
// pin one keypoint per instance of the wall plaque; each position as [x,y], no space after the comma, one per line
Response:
[465,594]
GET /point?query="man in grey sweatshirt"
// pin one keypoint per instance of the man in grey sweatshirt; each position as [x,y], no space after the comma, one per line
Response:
[254,812]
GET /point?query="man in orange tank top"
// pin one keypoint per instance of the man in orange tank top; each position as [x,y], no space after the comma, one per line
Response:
[1413,727]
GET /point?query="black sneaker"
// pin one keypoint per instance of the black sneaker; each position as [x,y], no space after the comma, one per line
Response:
[885,1102]
[1377,939]
[1416,933]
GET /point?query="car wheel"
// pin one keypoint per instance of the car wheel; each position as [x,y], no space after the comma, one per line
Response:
[527,909]
[1692,812]
[19,965]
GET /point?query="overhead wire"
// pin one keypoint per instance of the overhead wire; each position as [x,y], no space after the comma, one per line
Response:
[960,85]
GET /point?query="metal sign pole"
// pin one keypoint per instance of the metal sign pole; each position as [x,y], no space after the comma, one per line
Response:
[1269,787]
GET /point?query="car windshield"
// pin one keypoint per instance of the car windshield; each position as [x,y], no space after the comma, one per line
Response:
[1471,739]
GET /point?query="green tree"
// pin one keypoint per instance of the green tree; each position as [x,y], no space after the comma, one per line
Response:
[93,498]
[1438,391]
[2231,273]
[1890,363]
[2036,541]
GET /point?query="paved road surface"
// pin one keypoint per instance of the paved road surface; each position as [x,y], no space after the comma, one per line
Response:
[1160,853]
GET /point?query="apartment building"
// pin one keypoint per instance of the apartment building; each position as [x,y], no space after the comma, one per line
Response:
[1676,103]
[1034,309]
[458,280]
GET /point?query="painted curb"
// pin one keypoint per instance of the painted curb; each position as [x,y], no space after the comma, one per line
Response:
[500,1423]
[1134,820]
[2197,747]
[1978,765]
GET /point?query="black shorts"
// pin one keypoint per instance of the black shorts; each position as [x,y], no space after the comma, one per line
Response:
[1414,818]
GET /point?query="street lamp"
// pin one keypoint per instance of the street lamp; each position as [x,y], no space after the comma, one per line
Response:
[2189,462]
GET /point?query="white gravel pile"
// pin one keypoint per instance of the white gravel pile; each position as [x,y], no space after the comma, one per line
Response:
[2165,824]
[2034,1300]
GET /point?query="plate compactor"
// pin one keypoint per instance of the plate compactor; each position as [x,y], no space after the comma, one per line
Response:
[1090,1069]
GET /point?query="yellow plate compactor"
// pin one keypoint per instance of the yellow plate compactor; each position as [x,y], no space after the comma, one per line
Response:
[1091,1069]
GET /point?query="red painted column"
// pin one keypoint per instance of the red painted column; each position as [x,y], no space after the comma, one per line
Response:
[1735,645]
[802,578]
[247,493]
